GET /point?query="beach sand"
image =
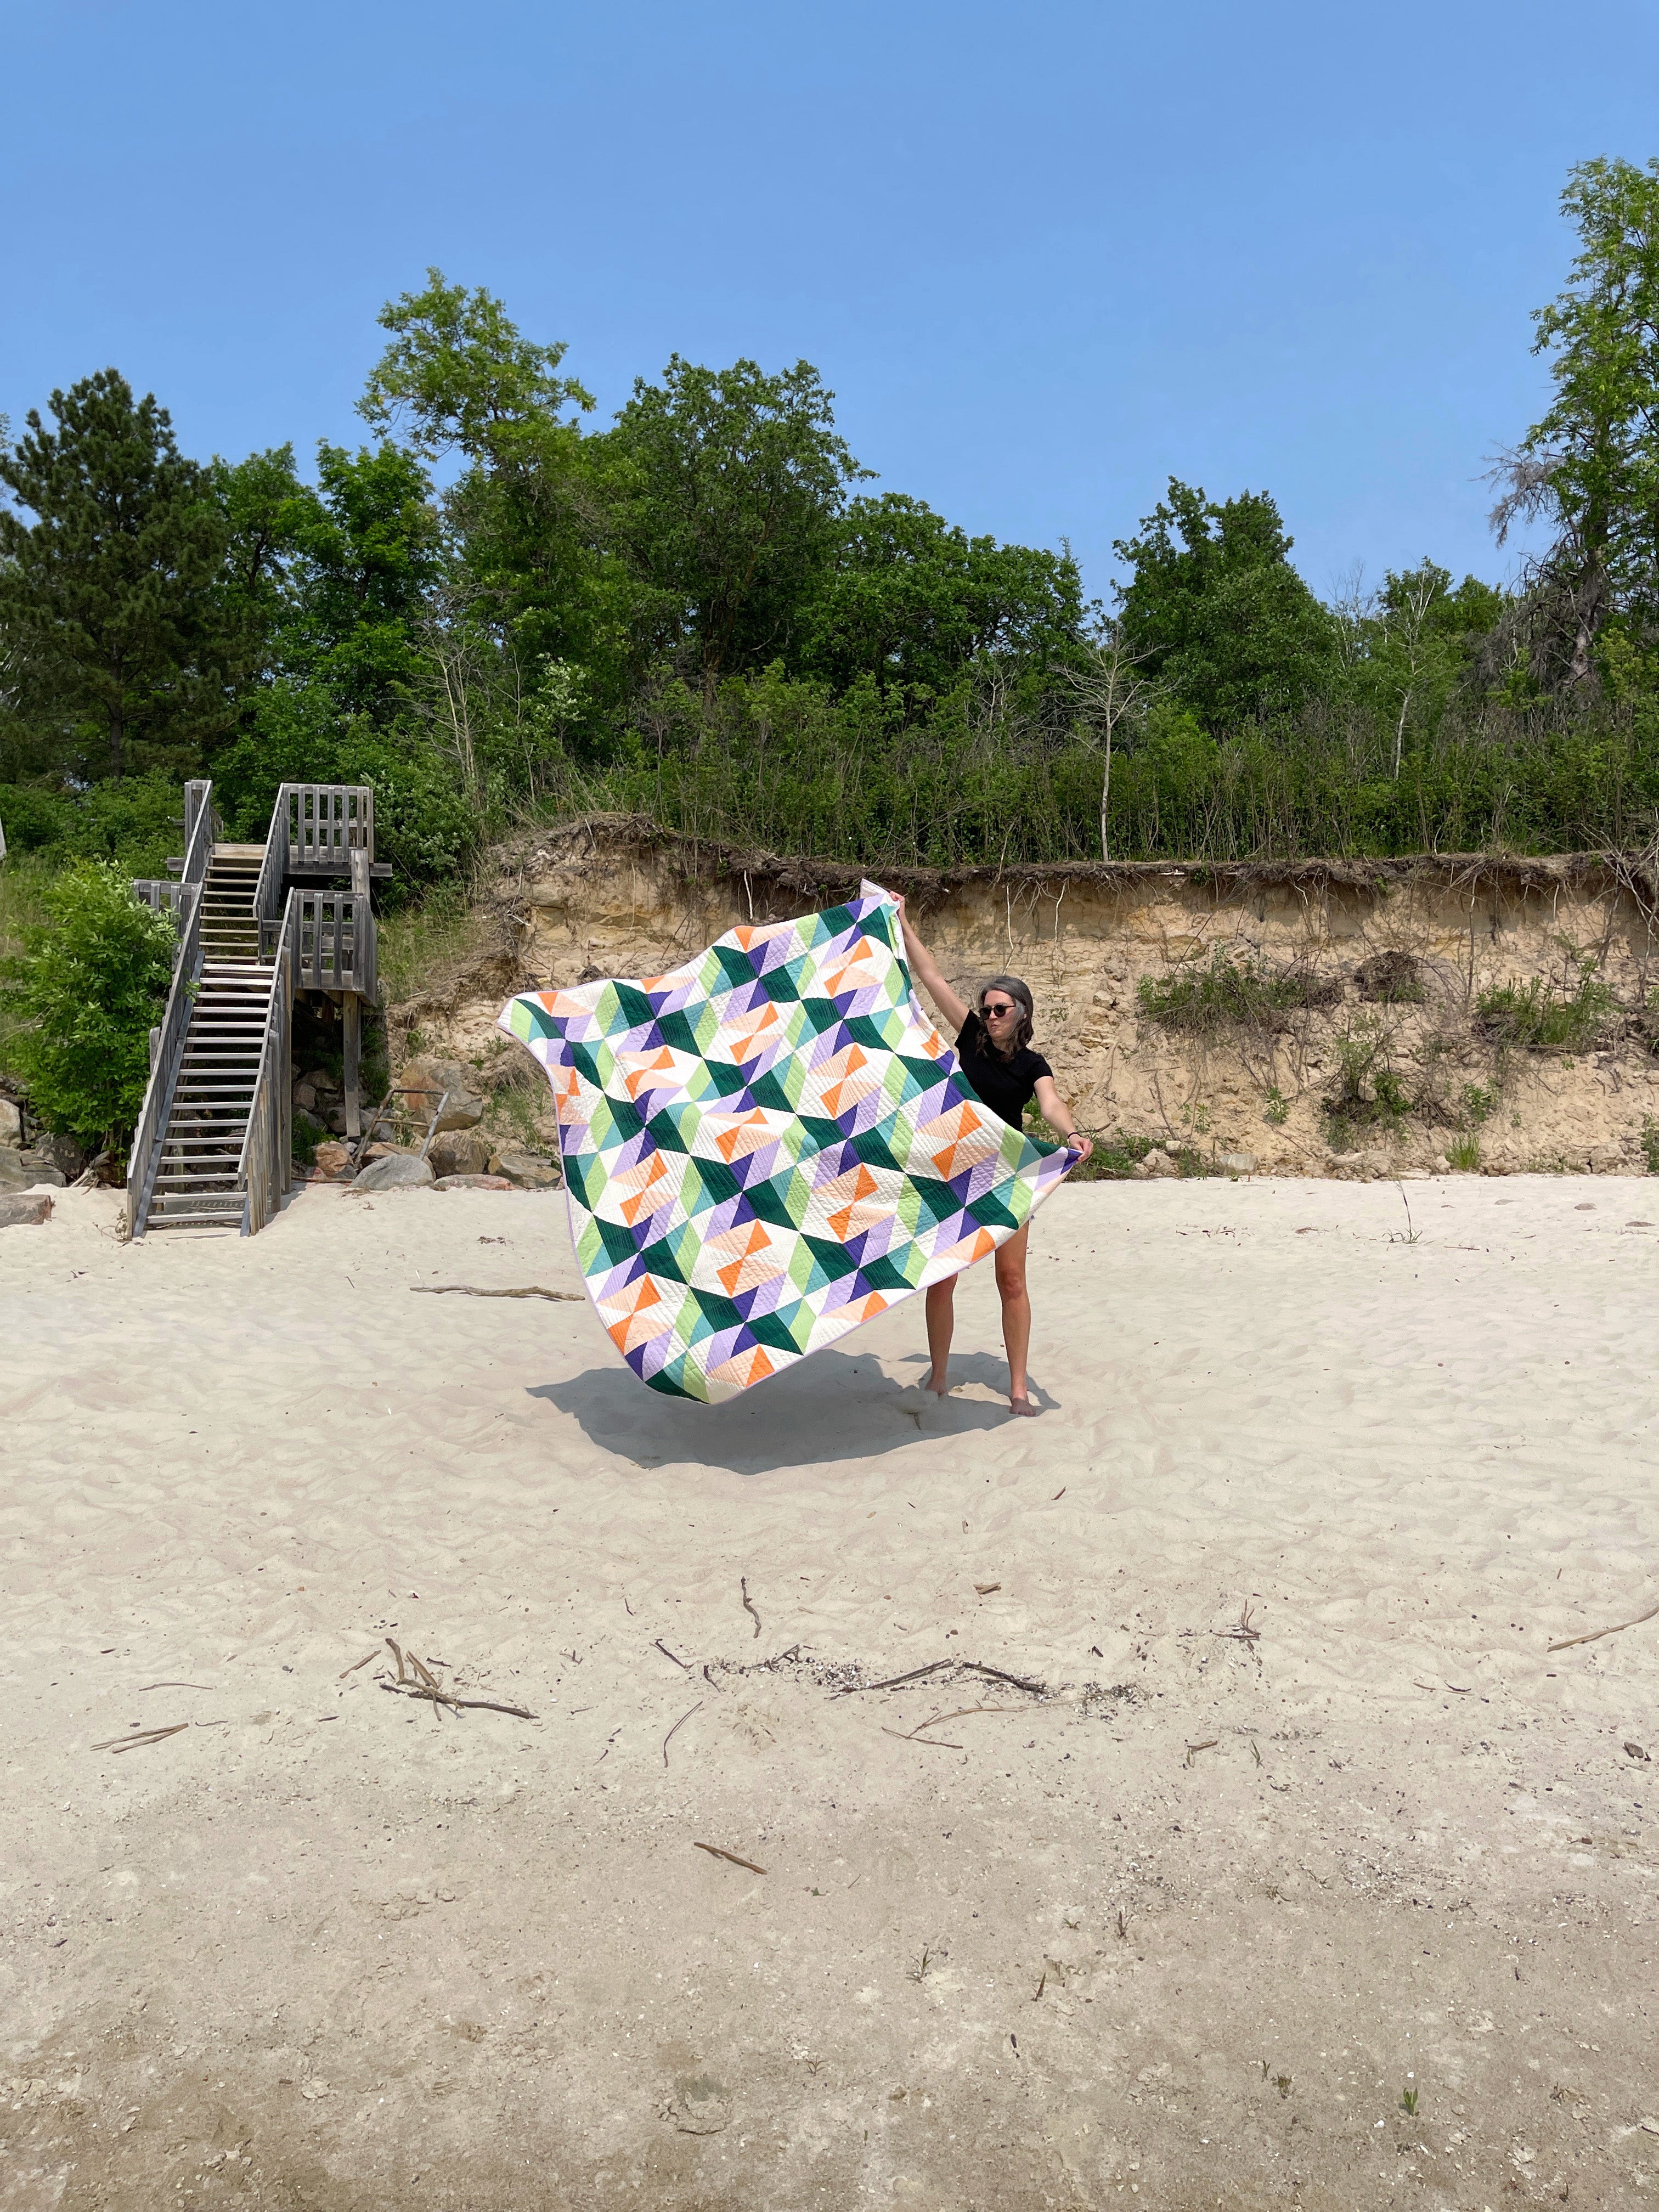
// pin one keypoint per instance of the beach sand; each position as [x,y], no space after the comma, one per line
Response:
[1185,1926]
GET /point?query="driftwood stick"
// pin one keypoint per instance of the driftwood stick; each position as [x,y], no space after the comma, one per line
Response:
[966,1712]
[144,1735]
[1596,1634]
[402,1672]
[731,1857]
[893,1680]
[355,1665]
[683,1664]
[1019,1682]
[748,1607]
[926,1742]
[677,1726]
[442,1698]
[472,1290]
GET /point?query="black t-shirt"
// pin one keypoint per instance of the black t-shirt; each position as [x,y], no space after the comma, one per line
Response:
[1006,1087]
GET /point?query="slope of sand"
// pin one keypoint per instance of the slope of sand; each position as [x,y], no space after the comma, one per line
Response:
[1182,1929]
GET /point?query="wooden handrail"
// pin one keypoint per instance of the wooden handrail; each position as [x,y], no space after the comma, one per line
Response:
[144,1156]
[335,946]
[264,1172]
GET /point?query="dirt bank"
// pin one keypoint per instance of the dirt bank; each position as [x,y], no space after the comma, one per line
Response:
[1321,1017]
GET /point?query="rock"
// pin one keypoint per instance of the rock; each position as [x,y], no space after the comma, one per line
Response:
[472,1183]
[25,1209]
[11,1124]
[27,1171]
[461,1152]
[1157,1163]
[396,1172]
[53,1150]
[336,1119]
[305,1096]
[524,1169]
[383,1149]
[463,1107]
[1237,1163]
[333,1160]
[303,1119]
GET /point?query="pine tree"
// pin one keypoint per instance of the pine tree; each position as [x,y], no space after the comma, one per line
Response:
[109,598]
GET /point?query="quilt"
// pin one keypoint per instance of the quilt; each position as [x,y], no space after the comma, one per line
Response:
[770,1145]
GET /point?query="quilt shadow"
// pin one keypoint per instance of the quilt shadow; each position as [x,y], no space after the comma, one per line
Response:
[835,1407]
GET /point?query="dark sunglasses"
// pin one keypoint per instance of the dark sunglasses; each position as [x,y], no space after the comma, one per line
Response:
[986,1007]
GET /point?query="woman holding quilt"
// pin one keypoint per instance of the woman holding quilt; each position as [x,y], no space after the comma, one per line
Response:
[993,1046]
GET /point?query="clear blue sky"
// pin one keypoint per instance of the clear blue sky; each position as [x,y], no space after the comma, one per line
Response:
[1045,255]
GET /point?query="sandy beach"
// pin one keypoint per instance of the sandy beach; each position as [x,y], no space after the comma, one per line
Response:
[1289,1823]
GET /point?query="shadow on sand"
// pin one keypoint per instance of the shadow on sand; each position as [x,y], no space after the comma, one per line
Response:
[835,1405]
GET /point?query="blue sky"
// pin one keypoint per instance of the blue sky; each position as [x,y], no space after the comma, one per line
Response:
[1045,255]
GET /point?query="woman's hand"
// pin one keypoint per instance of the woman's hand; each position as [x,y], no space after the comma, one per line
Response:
[1081,1146]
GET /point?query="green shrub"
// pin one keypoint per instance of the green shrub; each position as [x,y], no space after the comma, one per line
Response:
[1464,1154]
[85,992]
[1537,1017]
[1650,1143]
[138,821]
[1230,994]
[1369,1093]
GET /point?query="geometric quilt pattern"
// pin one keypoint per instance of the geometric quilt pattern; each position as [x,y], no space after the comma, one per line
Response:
[770,1145]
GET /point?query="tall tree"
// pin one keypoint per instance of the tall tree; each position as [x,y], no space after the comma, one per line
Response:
[109,596]
[1221,618]
[723,490]
[459,378]
[909,599]
[1591,465]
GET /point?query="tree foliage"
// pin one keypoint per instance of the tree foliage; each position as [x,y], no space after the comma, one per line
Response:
[500,607]
[1225,620]
[109,599]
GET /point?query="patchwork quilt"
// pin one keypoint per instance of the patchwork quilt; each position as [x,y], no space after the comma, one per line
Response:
[770,1145]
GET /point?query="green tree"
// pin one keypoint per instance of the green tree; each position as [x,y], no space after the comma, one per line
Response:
[367,553]
[906,598]
[1419,638]
[109,597]
[87,989]
[724,489]
[525,515]
[1591,465]
[1224,621]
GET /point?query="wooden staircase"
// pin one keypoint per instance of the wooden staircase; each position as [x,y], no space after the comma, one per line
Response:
[256,923]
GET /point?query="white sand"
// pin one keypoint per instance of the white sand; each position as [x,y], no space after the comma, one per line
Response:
[327,1950]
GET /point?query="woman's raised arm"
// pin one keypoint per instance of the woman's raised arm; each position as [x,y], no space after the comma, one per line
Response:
[926,971]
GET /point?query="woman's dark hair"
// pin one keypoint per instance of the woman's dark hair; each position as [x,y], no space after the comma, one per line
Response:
[1021,994]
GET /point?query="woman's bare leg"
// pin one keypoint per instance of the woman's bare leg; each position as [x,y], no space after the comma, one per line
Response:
[1015,1315]
[941,1325]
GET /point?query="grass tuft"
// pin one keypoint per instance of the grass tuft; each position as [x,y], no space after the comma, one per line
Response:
[1536,1017]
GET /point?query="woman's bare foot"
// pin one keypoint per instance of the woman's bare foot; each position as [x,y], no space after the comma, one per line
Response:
[939,1385]
[1024,1407]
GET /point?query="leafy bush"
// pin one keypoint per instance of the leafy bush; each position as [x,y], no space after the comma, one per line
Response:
[1537,1017]
[1464,1154]
[137,821]
[1369,1093]
[85,990]
[1228,994]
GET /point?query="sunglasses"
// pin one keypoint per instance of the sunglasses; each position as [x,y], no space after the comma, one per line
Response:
[996,1012]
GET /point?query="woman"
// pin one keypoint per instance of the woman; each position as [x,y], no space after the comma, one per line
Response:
[993,1046]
